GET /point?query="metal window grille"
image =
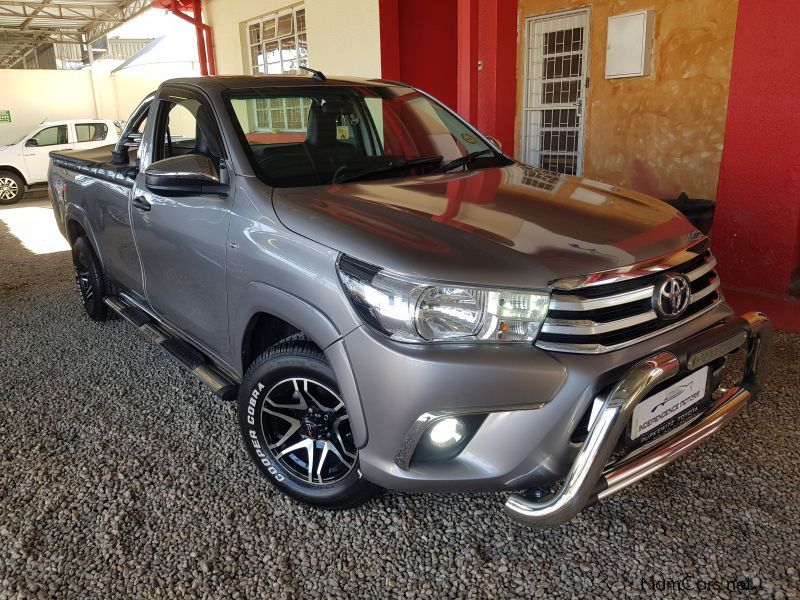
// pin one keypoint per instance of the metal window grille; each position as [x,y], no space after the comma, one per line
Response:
[278,42]
[282,114]
[539,179]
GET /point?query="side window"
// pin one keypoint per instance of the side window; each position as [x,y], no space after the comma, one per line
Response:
[52,136]
[126,150]
[181,126]
[134,127]
[138,128]
[91,132]
[186,126]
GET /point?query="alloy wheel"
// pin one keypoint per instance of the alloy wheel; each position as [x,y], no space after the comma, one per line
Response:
[82,277]
[8,188]
[307,428]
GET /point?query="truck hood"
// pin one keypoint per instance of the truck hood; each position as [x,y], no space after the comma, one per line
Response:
[513,226]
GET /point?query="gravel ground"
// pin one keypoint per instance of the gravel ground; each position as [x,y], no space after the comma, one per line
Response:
[121,476]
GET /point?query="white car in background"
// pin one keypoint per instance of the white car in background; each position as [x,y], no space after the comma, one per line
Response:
[24,163]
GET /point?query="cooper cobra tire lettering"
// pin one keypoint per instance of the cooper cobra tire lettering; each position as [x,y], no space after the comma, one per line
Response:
[251,409]
[260,453]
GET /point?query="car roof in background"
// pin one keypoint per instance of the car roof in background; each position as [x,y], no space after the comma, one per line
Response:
[77,121]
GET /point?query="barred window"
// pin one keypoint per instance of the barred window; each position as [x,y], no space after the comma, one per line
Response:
[282,114]
[278,42]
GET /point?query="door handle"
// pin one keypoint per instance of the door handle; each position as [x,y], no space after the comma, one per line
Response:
[141,203]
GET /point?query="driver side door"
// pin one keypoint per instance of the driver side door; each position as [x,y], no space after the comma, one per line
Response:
[182,236]
[36,150]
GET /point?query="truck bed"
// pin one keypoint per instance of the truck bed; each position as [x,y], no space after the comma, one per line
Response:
[97,163]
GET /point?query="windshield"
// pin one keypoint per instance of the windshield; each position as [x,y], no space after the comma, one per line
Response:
[330,134]
[17,141]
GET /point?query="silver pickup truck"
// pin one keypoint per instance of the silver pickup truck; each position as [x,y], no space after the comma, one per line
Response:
[395,303]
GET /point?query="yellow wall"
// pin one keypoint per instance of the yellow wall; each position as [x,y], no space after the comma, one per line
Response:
[661,134]
[118,94]
[30,95]
[343,37]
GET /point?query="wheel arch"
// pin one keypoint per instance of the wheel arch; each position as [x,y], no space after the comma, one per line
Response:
[74,230]
[266,315]
[76,223]
[262,331]
[15,171]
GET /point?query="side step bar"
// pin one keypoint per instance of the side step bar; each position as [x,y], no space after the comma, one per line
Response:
[187,356]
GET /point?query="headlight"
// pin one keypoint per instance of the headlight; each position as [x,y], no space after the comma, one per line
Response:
[424,311]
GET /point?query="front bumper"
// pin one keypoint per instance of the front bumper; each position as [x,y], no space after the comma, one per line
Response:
[591,478]
[535,401]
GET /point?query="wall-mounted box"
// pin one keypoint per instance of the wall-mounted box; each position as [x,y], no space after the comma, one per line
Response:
[629,45]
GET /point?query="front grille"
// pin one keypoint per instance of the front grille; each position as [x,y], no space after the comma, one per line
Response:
[605,317]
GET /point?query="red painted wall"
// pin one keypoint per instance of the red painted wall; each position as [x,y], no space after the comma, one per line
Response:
[421,45]
[428,44]
[497,79]
[757,222]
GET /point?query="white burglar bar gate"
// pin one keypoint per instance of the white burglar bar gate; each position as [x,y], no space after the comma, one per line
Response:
[556,56]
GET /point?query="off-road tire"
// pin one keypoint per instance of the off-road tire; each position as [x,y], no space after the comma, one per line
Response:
[297,359]
[90,280]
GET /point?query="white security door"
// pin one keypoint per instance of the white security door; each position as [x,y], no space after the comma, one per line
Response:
[556,55]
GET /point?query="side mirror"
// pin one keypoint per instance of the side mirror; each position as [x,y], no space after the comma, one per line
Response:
[180,175]
[495,142]
[32,142]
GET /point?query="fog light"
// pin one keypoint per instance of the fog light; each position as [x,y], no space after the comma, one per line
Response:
[447,432]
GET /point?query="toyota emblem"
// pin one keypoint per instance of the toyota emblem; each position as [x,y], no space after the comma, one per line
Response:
[671,296]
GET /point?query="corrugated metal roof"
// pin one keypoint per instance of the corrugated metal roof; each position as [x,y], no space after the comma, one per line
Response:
[27,24]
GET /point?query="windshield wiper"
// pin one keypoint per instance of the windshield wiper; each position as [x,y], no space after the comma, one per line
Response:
[413,162]
[463,160]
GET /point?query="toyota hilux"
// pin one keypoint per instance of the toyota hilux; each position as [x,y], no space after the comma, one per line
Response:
[395,303]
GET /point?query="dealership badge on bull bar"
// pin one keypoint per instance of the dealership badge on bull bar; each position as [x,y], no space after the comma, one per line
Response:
[664,406]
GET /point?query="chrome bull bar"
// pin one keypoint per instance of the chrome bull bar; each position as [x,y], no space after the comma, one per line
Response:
[590,479]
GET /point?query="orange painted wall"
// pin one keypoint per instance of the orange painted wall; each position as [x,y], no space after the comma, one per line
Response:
[661,134]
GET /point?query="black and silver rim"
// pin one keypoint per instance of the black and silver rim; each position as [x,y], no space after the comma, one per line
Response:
[306,426]
[82,277]
[8,188]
